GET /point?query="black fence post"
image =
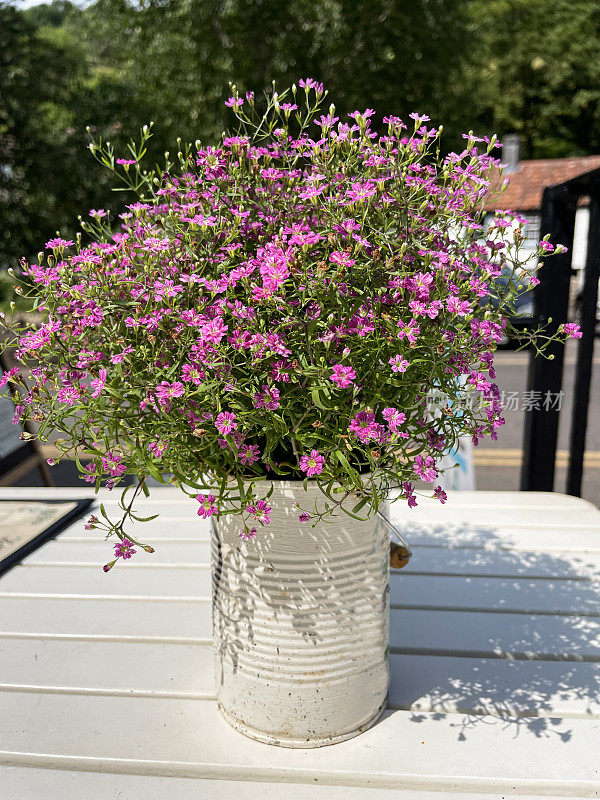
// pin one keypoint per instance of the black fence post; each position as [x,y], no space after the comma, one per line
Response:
[551,300]
[585,351]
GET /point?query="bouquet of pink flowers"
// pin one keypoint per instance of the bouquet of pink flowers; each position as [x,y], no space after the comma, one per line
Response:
[278,306]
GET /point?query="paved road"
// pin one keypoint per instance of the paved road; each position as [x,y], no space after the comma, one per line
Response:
[498,463]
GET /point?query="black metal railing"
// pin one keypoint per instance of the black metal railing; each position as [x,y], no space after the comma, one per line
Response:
[551,300]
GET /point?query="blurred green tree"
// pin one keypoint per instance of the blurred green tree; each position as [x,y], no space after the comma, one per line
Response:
[534,69]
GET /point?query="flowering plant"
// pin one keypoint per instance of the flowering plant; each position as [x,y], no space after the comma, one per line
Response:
[278,306]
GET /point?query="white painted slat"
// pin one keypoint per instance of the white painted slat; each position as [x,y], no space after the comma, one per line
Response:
[495,686]
[514,563]
[23,783]
[447,632]
[404,750]
[87,551]
[166,526]
[479,634]
[122,580]
[498,536]
[110,616]
[420,683]
[435,560]
[424,591]
[500,594]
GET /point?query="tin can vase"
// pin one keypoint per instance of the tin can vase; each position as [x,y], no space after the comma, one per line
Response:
[301,623]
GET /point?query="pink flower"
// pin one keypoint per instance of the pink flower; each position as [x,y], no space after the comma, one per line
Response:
[207,505]
[304,517]
[225,422]
[425,468]
[126,162]
[394,418]
[124,549]
[572,330]
[112,463]
[165,391]
[343,259]
[361,191]
[249,453]
[247,533]
[342,376]
[268,398]
[398,364]
[68,395]
[57,243]
[98,384]
[119,357]
[440,494]
[309,83]
[192,373]
[234,102]
[92,473]
[363,426]
[312,464]
[260,511]
[4,379]
[157,447]
[408,493]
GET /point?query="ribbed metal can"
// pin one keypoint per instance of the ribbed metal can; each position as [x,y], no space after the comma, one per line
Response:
[301,623]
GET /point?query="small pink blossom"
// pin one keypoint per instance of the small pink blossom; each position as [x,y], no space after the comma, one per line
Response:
[440,494]
[425,468]
[573,330]
[394,418]
[225,422]
[124,548]
[343,376]
[312,464]
[99,383]
[398,364]
[260,511]
[268,398]
[249,454]
[208,507]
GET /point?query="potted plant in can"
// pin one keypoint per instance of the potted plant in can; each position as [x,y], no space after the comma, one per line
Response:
[264,328]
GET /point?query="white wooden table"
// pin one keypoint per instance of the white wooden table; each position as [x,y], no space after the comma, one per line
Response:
[106,687]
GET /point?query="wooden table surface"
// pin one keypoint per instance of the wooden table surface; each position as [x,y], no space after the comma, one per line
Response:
[106,686]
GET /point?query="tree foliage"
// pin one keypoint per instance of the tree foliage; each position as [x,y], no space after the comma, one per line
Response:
[502,66]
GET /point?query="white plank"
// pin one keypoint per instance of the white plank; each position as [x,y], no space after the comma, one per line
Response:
[420,683]
[122,580]
[512,536]
[97,552]
[434,560]
[500,594]
[447,632]
[495,686]
[110,616]
[404,750]
[23,783]
[514,563]
[165,669]
[166,526]
[423,591]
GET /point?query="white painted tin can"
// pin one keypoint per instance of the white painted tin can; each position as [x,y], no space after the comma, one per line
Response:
[301,623]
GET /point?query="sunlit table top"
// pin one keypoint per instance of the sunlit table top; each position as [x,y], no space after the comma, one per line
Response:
[106,687]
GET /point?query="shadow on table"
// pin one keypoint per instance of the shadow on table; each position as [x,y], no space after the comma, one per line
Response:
[536,664]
